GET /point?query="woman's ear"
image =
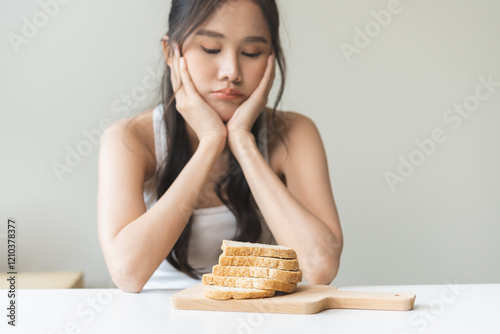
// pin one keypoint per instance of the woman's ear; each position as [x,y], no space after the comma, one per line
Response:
[166,49]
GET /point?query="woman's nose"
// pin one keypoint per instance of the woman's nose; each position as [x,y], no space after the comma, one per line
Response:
[229,68]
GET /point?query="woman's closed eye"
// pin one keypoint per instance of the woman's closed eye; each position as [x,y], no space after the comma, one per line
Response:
[216,51]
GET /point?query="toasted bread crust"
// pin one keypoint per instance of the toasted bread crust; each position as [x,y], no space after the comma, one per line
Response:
[294,276]
[244,282]
[235,248]
[255,261]
[237,294]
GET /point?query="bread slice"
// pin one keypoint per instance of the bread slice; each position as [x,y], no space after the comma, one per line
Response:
[245,282]
[294,276]
[256,261]
[238,248]
[225,292]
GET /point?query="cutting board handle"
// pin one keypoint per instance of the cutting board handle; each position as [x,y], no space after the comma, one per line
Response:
[390,301]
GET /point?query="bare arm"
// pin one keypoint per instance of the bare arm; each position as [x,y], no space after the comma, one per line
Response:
[134,242]
[301,214]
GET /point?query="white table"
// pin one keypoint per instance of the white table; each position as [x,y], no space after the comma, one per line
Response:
[438,309]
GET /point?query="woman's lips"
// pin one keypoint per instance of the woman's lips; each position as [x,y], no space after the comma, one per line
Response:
[228,94]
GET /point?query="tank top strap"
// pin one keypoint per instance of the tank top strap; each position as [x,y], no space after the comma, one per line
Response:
[160,135]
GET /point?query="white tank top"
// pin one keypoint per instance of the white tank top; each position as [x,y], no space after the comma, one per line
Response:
[210,225]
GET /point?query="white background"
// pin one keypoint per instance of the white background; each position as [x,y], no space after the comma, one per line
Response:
[72,74]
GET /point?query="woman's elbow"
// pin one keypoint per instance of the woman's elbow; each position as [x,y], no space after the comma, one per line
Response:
[324,277]
[128,287]
[323,273]
[127,280]
[322,270]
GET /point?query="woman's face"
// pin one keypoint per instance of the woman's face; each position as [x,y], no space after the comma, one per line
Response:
[229,51]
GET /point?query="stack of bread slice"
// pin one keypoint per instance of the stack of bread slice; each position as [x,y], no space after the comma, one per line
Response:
[252,270]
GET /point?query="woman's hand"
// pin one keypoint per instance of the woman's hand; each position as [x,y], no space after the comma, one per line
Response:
[247,113]
[193,108]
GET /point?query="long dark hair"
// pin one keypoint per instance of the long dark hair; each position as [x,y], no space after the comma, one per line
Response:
[185,17]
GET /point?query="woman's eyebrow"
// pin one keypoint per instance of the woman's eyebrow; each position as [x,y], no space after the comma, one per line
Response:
[214,34]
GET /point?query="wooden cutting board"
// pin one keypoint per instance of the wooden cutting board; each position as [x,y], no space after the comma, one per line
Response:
[307,299]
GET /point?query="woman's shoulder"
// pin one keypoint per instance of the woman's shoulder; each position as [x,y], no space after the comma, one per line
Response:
[289,134]
[135,135]
[287,122]
[141,121]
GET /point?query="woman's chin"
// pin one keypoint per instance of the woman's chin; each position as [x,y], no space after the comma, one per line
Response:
[225,115]
[225,119]
[225,109]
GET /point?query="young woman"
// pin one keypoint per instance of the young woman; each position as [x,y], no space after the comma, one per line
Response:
[212,162]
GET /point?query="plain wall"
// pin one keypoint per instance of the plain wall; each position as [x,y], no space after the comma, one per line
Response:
[377,104]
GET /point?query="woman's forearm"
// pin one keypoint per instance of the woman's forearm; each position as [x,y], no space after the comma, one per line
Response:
[138,249]
[317,247]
